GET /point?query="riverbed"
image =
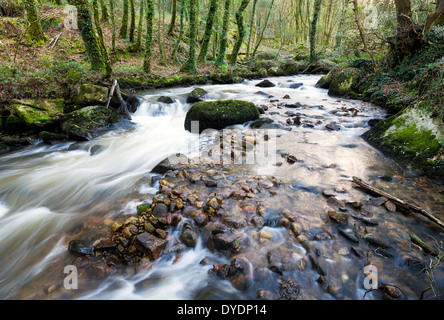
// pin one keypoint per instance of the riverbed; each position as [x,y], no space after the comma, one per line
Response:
[50,195]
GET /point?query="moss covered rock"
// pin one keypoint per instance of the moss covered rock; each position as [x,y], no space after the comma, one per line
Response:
[84,123]
[38,115]
[220,114]
[90,94]
[196,95]
[342,83]
[413,138]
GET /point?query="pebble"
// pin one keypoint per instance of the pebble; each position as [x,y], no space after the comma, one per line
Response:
[265,234]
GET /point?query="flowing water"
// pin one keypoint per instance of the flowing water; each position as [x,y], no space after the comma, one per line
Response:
[49,195]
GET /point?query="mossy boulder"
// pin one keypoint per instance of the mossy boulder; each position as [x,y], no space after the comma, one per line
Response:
[220,114]
[90,94]
[14,124]
[343,82]
[37,115]
[83,124]
[413,138]
[197,95]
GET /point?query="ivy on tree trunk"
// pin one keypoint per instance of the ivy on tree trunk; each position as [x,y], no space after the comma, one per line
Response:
[86,29]
[149,36]
[241,31]
[124,26]
[208,31]
[314,23]
[224,35]
[190,64]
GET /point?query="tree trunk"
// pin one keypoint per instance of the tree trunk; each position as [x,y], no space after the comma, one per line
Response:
[133,21]
[105,15]
[208,31]
[241,31]
[181,28]
[250,33]
[224,35]
[314,23]
[87,32]
[149,36]
[124,25]
[35,31]
[105,56]
[138,44]
[435,17]
[190,64]
[263,29]
[173,18]
[113,25]
[362,34]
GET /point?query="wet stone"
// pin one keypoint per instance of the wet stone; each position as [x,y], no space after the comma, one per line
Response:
[223,241]
[338,217]
[80,247]
[390,206]
[160,210]
[150,245]
[349,234]
[288,290]
[188,237]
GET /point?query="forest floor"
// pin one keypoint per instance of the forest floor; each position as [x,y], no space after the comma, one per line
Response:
[45,71]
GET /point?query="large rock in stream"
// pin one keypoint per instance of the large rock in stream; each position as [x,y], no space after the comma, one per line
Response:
[83,124]
[220,114]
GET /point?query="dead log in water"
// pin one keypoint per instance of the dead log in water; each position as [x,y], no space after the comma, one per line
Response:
[400,203]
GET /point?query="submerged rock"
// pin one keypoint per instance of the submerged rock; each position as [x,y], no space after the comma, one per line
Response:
[265,84]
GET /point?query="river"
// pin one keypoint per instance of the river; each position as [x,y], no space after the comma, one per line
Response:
[49,195]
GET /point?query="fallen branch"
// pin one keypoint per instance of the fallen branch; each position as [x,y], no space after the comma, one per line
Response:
[111,92]
[400,203]
[417,240]
[122,102]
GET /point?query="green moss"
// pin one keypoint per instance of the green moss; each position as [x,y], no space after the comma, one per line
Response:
[83,124]
[142,208]
[37,115]
[14,124]
[342,83]
[401,137]
[220,114]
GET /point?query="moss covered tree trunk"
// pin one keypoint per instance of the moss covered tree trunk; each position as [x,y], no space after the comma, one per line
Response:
[250,33]
[149,36]
[313,28]
[241,31]
[220,61]
[86,29]
[212,11]
[181,28]
[105,14]
[113,25]
[133,21]
[173,18]
[138,44]
[34,31]
[190,64]
[124,25]
[105,56]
